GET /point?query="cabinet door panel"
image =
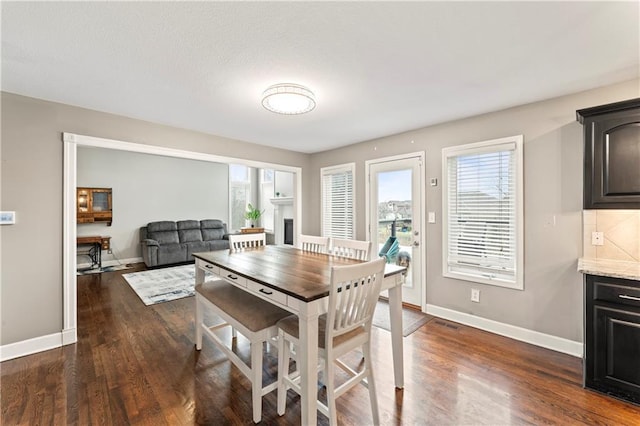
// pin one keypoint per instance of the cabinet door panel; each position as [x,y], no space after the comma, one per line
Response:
[621,171]
[617,349]
[614,178]
[612,156]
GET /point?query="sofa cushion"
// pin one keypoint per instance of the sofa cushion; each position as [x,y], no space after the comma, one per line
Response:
[165,225]
[212,229]
[196,247]
[164,232]
[189,230]
[187,224]
[172,253]
[213,245]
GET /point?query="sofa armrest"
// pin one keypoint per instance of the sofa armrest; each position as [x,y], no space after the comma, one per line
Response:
[150,242]
[226,236]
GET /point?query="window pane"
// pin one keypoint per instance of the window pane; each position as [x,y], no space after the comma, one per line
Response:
[238,173]
[239,198]
[239,195]
[337,202]
[481,226]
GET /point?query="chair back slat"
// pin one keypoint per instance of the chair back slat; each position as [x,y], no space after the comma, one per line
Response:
[313,244]
[353,297]
[353,249]
[243,241]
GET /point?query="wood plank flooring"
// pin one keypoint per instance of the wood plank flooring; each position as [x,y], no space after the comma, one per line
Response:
[136,364]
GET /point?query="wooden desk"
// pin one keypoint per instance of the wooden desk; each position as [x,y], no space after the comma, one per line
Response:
[251,230]
[299,282]
[97,243]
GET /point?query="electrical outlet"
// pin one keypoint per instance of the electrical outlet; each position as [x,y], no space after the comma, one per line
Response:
[475,295]
[597,238]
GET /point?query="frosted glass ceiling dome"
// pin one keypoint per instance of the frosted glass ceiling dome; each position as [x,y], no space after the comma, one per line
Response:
[288,99]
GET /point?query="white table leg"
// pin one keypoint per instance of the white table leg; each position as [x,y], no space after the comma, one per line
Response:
[308,359]
[199,275]
[395,312]
[198,307]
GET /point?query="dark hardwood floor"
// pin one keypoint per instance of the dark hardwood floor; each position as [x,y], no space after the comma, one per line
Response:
[136,364]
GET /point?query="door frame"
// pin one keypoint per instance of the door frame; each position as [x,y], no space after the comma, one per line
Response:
[420,155]
[71,143]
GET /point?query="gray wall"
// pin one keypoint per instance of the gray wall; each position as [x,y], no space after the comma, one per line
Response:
[147,188]
[31,184]
[551,302]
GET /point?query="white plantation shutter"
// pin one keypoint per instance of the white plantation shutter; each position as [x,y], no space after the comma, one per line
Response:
[338,201]
[483,216]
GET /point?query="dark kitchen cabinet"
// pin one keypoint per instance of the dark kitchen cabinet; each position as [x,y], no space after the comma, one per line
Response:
[611,155]
[612,336]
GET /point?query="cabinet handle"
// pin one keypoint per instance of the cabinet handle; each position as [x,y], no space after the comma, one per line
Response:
[208,266]
[624,296]
[233,277]
[262,290]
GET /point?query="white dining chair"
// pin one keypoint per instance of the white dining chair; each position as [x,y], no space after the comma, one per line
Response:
[346,327]
[243,241]
[353,249]
[313,243]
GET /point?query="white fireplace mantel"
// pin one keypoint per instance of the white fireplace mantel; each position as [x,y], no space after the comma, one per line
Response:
[282,201]
[279,205]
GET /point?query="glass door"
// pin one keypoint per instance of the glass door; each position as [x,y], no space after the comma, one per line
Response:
[395,222]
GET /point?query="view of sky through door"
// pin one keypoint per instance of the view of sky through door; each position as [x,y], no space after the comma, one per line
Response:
[394,203]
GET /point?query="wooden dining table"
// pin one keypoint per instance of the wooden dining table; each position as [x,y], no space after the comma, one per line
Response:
[299,282]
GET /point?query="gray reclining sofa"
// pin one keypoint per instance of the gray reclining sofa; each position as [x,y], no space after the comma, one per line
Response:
[168,242]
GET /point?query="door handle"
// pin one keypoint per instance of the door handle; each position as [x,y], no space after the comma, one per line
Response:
[416,243]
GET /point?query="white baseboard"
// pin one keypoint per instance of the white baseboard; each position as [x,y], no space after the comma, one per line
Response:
[37,344]
[548,341]
[69,336]
[113,262]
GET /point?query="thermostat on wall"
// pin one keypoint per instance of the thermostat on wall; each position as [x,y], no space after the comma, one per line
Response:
[7,218]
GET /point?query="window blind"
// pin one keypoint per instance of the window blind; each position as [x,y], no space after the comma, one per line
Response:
[337,202]
[481,204]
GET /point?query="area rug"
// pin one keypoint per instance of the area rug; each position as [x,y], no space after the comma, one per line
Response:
[163,285]
[103,269]
[411,318]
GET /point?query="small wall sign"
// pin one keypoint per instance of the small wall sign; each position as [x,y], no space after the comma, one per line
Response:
[7,218]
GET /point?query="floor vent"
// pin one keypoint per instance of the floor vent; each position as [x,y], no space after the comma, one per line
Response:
[446,324]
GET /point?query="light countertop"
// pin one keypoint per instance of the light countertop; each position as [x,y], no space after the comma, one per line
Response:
[610,268]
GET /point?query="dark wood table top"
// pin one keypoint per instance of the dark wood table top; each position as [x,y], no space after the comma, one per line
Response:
[300,274]
[92,239]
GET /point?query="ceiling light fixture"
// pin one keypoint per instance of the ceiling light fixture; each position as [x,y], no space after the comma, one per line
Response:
[288,99]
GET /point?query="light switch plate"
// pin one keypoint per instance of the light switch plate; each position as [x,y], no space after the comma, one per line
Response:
[432,217]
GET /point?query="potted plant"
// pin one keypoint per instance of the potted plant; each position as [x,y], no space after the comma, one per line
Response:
[253,215]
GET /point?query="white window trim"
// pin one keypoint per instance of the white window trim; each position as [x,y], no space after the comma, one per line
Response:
[348,167]
[265,203]
[489,145]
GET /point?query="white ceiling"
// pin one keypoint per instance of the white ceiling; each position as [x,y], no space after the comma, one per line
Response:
[377,68]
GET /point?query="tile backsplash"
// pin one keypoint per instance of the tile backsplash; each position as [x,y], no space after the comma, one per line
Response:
[621,230]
